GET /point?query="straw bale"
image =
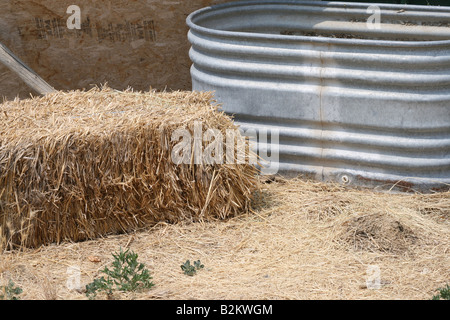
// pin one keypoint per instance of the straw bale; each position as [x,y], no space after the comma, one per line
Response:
[83,164]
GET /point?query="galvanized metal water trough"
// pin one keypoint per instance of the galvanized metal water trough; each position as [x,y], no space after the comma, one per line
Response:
[353,101]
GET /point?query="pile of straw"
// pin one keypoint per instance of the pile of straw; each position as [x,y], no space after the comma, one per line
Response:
[303,239]
[80,165]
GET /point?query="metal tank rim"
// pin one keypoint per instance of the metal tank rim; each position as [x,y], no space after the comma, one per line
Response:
[190,20]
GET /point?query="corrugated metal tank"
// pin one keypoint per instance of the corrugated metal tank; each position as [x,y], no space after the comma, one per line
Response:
[352,100]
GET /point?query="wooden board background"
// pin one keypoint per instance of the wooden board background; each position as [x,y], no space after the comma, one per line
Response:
[137,43]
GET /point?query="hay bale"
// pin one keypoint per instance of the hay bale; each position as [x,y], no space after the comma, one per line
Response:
[80,165]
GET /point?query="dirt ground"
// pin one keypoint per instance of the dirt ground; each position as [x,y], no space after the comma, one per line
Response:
[303,240]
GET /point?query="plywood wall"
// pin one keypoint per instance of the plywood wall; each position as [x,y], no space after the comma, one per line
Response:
[137,43]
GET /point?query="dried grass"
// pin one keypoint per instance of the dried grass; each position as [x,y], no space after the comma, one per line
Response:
[294,245]
[81,165]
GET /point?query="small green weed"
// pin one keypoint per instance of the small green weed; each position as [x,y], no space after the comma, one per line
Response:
[127,275]
[189,269]
[10,292]
[444,293]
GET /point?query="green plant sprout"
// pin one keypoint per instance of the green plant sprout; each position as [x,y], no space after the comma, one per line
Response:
[444,293]
[189,269]
[10,292]
[127,275]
